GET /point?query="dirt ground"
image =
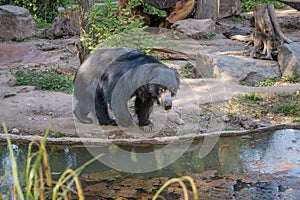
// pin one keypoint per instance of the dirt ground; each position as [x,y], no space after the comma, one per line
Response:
[29,111]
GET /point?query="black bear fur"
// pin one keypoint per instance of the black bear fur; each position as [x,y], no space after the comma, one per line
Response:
[111,77]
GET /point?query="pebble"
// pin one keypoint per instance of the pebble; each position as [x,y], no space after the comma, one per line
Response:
[15,131]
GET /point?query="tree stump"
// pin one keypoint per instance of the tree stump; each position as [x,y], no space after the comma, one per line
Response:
[207,9]
[267,35]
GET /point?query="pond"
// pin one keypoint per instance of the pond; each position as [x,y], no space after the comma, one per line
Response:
[276,154]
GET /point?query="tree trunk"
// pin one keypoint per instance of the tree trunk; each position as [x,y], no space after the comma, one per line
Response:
[267,34]
[84,7]
[207,9]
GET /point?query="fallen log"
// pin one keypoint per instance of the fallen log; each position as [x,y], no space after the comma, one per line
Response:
[87,141]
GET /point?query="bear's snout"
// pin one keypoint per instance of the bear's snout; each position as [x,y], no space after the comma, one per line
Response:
[167,101]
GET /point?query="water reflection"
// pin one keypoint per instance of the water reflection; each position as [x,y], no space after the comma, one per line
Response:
[264,153]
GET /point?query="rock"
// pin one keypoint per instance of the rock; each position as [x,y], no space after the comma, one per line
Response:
[175,118]
[60,27]
[289,59]
[16,23]
[15,131]
[195,28]
[236,68]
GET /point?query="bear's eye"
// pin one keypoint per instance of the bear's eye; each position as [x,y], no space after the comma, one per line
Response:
[161,90]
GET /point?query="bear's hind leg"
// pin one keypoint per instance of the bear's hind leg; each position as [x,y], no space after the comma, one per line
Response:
[102,109]
[81,114]
[143,110]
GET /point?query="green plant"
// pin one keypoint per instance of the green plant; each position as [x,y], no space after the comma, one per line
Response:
[41,23]
[210,36]
[296,120]
[46,10]
[297,94]
[253,96]
[135,38]
[247,5]
[267,82]
[38,181]
[288,26]
[57,134]
[47,80]
[104,23]
[288,108]
[290,79]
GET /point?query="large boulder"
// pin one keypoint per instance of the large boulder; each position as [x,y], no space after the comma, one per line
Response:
[16,23]
[289,59]
[236,68]
[195,28]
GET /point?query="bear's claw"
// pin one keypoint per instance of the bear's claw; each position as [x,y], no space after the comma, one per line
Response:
[148,128]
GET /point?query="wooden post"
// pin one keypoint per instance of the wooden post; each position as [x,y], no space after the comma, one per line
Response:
[267,34]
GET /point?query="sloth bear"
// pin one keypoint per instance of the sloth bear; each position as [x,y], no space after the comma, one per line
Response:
[109,78]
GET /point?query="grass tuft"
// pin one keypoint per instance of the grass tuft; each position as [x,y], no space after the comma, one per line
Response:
[48,80]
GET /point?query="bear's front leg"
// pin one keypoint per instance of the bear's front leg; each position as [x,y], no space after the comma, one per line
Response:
[143,110]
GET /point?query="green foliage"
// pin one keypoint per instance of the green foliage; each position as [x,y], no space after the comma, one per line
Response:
[49,80]
[154,11]
[108,30]
[104,23]
[45,10]
[267,82]
[135,38]
[297,94]
[253,96]
[288,108]
[57,134]
[210,36]
[41,23]
[247,5]
[290,79]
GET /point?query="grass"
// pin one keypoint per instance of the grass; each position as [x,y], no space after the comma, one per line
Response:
[47,80]
[38,182]
[271,81]
[272,106]
[290,79]
[247,5]
[267,82]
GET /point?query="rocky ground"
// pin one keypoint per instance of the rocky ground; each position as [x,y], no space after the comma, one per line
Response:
[201,103]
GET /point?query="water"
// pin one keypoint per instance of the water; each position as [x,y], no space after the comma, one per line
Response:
[277,152]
